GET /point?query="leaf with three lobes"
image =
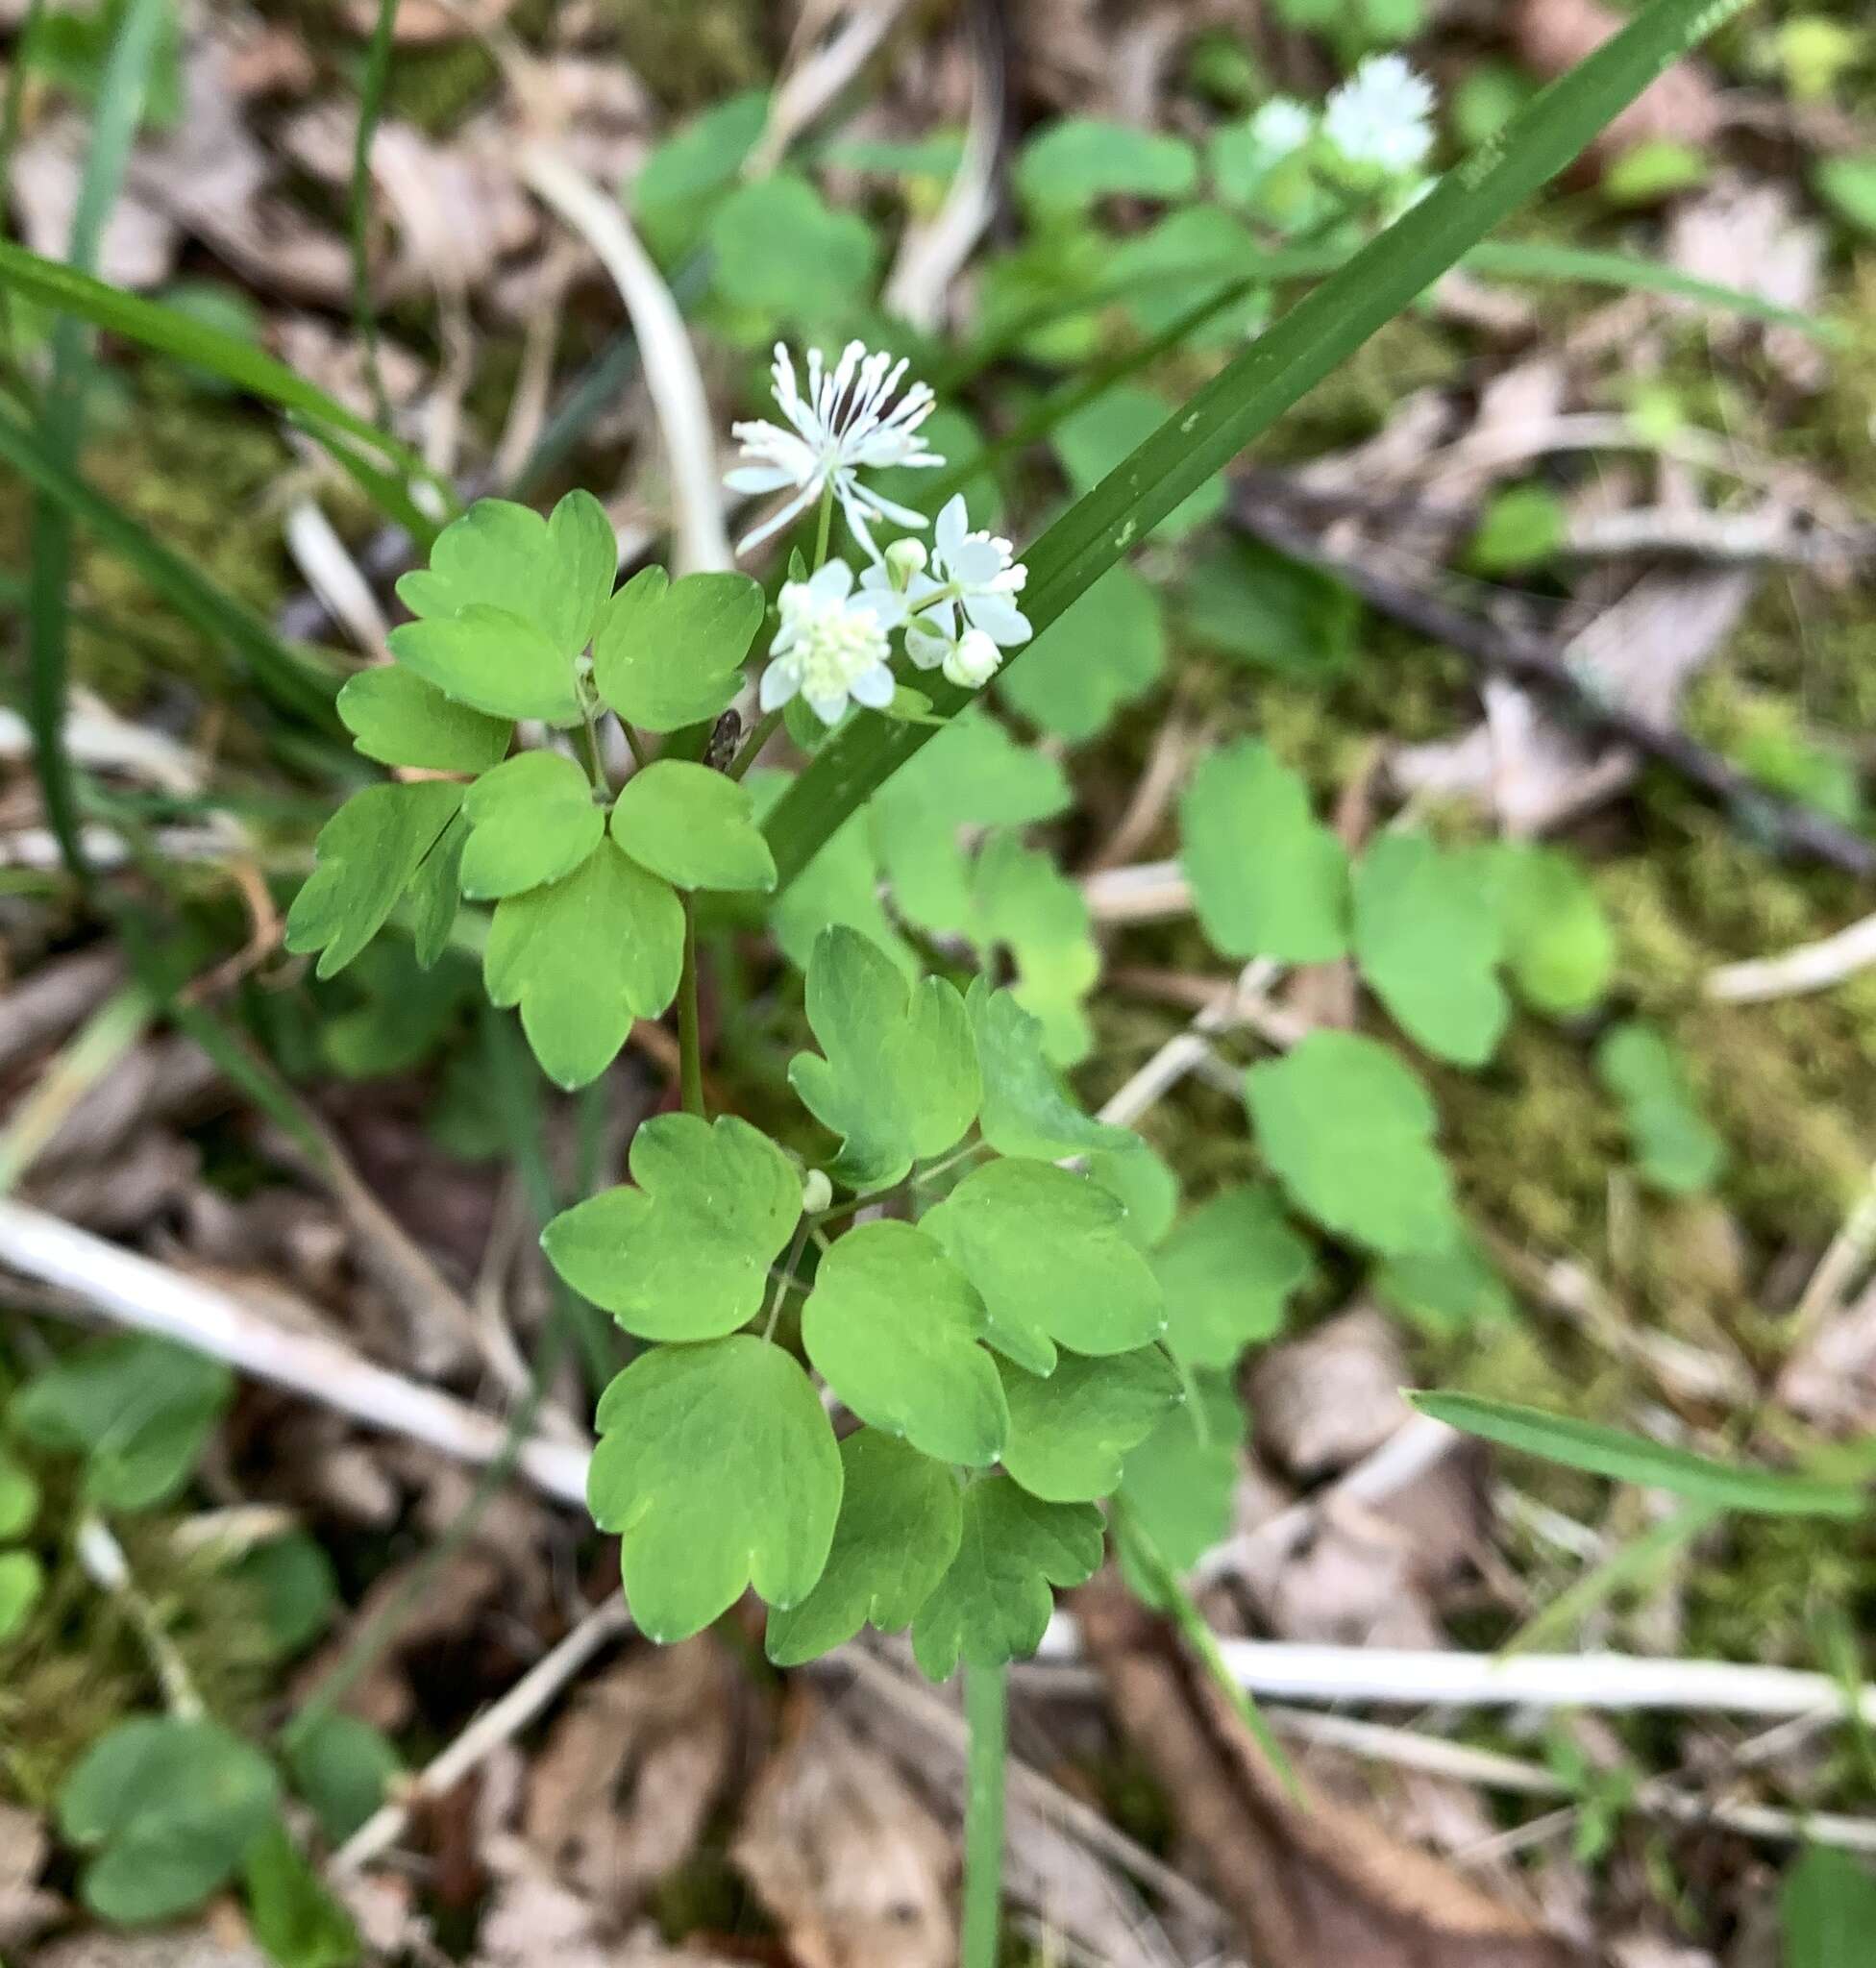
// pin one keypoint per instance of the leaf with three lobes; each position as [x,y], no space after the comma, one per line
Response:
[1348,1131]
[584,958]
[993,1603]
[899,1080]
[1179,1481]
[1427,941]
[555,573]
[1025,904]
[1108,649]
[1225,1273]
[1560,950]
[1025,1111]
[398,719]
[685,1255]
[533,819]
[892,1325]
[367,854]
[694,826]
[493,660]
[435,894]
[1675,1147]
[897,1534]
[669,654]
[170,1806]
[1051,1257]
[1146,1186]
[718,1470]
[1070,1434]
[1267,878]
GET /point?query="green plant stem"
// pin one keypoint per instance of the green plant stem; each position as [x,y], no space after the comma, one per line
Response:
[10,106]
[595,758]
[690,1051]
[986,1715]
[786,1277]
[824,526]
[765,729]
[371,103]
[635,745]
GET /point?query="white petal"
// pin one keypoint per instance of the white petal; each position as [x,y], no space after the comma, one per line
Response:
[926,650]
[1003,622]
[772,526]
[780,682]
[954,524]
[831,581]
[873,687]
[755,478]
[829,709]
[978,561]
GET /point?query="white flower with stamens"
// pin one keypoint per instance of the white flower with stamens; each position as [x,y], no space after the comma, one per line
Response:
[846,422]
[1281,128]
[831,645]
[975,573]
[1382,115]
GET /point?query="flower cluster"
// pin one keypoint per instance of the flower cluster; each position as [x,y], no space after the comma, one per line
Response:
[955,603]
[1382,115]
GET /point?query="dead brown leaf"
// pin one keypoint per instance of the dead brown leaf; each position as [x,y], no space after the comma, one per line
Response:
[621,1793]
[422,22]
[25,1907]
[1746,233]
[1309,1880]
[853,1867]
[1323,1401]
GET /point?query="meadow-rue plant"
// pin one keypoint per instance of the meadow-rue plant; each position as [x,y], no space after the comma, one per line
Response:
[1382,115]
[848,420]
[831,645]
[973,572]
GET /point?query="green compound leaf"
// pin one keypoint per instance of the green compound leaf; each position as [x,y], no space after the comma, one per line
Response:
[434,895]
[342,1768]
[1268,880]
[1146,1185]
[584,958]
[718,1470]
[1446,1292]
[669,654]
[20,1497]
[1025,1110]
[1258,607]
[22,1583]
[899,1079]
[900,1516]
[694,826]
[1107,650]
[368,855]
[1179,1481]
[297,1921]
[892,1325]
[993,1603]
[1026,905]
[492,660]
[170,1807]
[1080,159]
[139,1410]
[1560,952]
[1675,1148]
[1348,1131]
[554,574]
[1226,1272]
[1427,939]
[1050,1254]
[398,719]
[778,250]
[841,885]
[686,1254]
[533,819]
[1070,1432]
[1627,1457]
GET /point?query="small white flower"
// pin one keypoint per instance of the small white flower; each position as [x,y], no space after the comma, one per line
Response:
[1281,128]
[974,572]
[903,559]
[973,660]
[832,645]
[1382,115]
[845,423]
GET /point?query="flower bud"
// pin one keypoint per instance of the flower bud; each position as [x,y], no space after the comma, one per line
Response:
[974,660]
[817,1192]
[903,559]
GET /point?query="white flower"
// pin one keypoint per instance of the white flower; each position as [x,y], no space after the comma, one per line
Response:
[845,423]
[973,660]
[831,645]
[1281,128]
[1381,115]
[977,573]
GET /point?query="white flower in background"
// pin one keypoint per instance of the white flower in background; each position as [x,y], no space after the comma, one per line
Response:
[975,573]
[845,423]
[973,660]
[1281,128]
[1382,115]
[831,645]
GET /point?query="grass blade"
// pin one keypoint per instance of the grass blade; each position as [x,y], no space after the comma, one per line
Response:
[121,94]
[171,333]
[370,105]
[1274,373]
[1627,1457]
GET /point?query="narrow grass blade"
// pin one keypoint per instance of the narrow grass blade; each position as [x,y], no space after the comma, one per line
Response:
[1633,1564]
[1627,1457]
[370,105]
[295,677]
[100,1042]
[12,104]
[386,490]
[1269,376]
[171,333]
[121,94]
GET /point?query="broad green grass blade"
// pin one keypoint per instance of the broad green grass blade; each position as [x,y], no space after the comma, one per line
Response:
[370,105]
[1274,373]
[1627,1457]
[121,93]
[295,677]
[171,332]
